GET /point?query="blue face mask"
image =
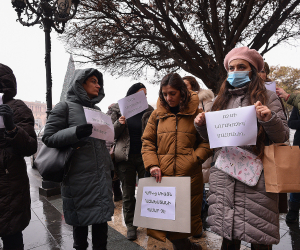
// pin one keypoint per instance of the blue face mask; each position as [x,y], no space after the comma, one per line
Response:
[238,79]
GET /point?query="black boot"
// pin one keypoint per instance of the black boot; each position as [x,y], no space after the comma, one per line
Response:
[293,213]
[185,244]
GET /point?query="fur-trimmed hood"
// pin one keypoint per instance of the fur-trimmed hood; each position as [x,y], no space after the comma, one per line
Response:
[205,95]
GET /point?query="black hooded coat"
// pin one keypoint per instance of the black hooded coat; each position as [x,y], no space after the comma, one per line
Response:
[87,189]
[14,184]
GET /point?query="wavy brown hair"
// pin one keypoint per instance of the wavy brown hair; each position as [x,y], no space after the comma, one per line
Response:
[175,81]
[257,92]
[194,84]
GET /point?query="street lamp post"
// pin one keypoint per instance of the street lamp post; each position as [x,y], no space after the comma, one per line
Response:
[48,14]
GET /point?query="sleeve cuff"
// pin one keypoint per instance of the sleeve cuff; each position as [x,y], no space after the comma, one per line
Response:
[286,99]
[11,134]
[270,122]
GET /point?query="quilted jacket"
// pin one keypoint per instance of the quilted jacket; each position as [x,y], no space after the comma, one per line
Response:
[15,211]
[174,145]
[238,211]
[87,189]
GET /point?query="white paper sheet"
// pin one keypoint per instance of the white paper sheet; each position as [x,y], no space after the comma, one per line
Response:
[133,104]
[102,125]
[232,127]
[159,202]
[271,86]
[182,222]
[1,118]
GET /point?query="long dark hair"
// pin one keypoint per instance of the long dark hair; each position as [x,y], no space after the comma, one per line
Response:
[194,84]
[257,92]
[175,81]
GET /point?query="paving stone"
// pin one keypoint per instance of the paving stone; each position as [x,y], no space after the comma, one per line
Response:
[36,235]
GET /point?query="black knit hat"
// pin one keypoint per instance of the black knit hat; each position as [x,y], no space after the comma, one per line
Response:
[135,88]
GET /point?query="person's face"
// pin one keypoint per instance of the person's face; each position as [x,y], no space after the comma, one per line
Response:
[239,65]
[91,86]
[171,95]
[188,85]
[143,89]
[263,74]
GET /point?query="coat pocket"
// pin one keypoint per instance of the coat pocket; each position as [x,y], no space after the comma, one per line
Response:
[70,213]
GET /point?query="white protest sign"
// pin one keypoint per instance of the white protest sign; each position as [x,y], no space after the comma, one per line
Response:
[133,104]
[173,192]
[232,127]
[271,86]
[1,118]
[159,202]
[102,125]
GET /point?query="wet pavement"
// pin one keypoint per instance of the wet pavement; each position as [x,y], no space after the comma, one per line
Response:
[48,231]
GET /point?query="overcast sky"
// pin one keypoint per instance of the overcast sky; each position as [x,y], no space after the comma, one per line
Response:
[23,50]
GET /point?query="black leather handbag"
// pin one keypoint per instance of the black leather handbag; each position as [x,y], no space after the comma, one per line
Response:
[51,162]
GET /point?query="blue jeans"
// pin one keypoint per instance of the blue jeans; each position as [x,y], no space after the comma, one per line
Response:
[295,197]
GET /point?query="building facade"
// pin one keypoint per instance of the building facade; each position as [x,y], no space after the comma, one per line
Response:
[39,112]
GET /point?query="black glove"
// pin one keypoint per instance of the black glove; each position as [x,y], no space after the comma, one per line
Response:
[7,113]
[84,130]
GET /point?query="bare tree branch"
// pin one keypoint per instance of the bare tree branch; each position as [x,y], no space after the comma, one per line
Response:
[126,37]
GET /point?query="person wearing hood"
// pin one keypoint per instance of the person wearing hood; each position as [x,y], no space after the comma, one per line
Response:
[87,188]
[17,139]
[128,157]
[239,212]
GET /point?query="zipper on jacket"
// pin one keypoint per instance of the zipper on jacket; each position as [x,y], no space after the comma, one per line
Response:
[97,169]
[97,166]
[174,167]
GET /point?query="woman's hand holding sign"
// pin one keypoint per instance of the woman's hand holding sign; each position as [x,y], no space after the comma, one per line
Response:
[122,120]
[263,113]
[200,119]
[156,172]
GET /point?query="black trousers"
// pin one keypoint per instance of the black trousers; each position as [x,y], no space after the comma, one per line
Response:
[127,171]
[13,242]
[99,237]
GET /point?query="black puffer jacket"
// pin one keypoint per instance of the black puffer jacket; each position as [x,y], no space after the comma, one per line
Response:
[294,123]
[14,183]
[87,189]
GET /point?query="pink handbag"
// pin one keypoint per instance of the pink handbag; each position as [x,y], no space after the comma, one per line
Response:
[240,164]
